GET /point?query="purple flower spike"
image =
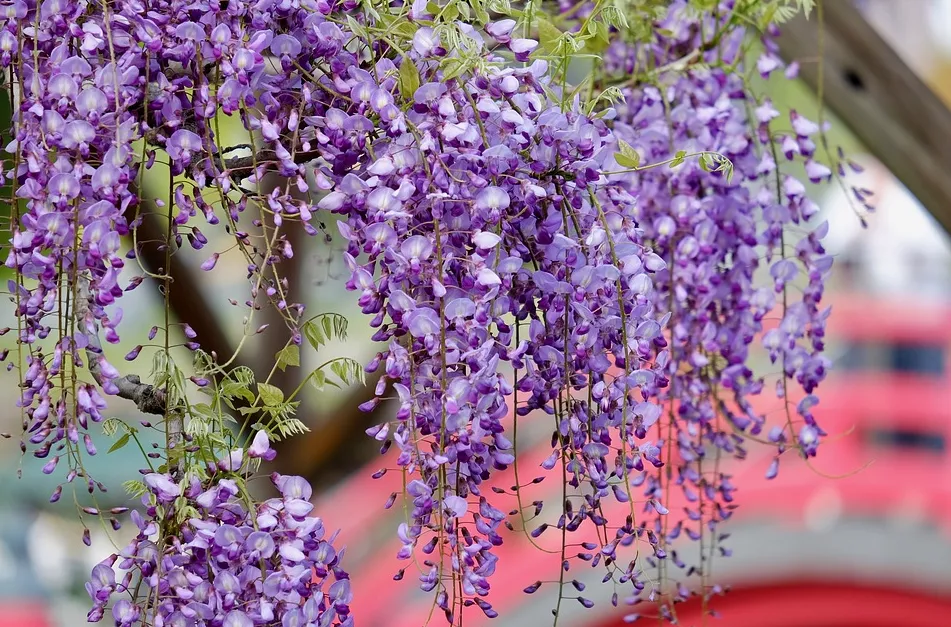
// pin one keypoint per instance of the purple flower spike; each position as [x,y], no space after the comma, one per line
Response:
[766,64]
[293,487]
[417,248]
[486,240]
[423,322]
[425,41]
[817,172]
[428,93]
[802,126]
[456,505]
[508,254]
[232,463]
[125,613]
[237,618]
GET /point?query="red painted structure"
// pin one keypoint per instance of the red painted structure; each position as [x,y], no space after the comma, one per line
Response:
[817,604]
[890,434]
[26,614]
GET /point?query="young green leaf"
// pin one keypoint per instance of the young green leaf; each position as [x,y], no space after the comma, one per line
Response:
[628,157]
[626,162]
[318,379]
[288,356]
[314,334]
[120,443]
[271,395]
[409,83]
[549,36]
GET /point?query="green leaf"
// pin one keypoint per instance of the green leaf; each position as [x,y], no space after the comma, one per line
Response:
[135,488]
[119,443]
[236,389]
[409,83]
[806,6]
[599,40]
[405,29]
[706,162]
[628,157]
[451,12]
[728,171]
[314,334]
[111,426]
[318,379]
[339,369]
[625,161]
[355,27]
[453,68]
[626,149]
[340,327]
[349,371]
[549,36]
[482,16]
[204,411]
[612,16]
[288,356]
[271,395]
[290,426]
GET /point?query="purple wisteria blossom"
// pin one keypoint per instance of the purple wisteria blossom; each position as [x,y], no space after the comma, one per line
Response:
[228,564]
[507,259]
[714,233]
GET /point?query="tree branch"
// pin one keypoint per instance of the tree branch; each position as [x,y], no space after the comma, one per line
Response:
[148,398]
[245,165]
[340,445]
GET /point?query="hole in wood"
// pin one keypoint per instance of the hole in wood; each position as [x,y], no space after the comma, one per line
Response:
[854,80]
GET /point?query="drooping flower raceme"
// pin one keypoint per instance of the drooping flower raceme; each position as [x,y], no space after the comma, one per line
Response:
[230,562]
[508,253]
[485,208]
[718,236]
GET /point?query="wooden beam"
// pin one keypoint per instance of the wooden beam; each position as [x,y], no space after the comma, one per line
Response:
[892,111]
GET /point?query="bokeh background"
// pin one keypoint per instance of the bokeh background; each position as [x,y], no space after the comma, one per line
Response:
[862,538]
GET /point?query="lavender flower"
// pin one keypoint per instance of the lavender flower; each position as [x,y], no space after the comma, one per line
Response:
[489,230]
[232,566]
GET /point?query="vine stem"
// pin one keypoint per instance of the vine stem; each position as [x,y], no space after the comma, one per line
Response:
[174,419]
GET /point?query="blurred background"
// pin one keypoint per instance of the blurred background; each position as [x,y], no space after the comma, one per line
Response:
[871,548]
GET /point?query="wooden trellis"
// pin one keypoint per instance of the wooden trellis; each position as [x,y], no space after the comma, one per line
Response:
[882,101]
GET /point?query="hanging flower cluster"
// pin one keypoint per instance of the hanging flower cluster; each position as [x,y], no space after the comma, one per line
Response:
[496,221]
[74,162]
[486,205]
[719,235]
[231,563]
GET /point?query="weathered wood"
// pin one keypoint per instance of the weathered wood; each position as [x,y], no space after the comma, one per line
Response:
[892,111]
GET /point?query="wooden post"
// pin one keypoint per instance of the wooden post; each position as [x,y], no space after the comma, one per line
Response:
[892,111]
